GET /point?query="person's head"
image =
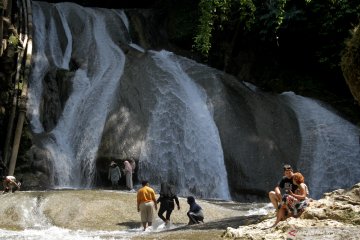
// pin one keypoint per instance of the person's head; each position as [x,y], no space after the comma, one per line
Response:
[298,178]
[190,199]
[288,171]
[112,164]
[144,183]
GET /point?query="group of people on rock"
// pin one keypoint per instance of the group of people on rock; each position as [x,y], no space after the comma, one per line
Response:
[295,199]
[147,203]
[114,174]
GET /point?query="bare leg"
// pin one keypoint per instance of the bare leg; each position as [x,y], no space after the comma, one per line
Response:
[274,199]
[144,225]
[279,216]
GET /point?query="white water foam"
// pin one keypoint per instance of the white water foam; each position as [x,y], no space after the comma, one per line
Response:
[73,143]
[183,143]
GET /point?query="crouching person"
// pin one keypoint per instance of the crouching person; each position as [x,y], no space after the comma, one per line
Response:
[195,213]
[10,184]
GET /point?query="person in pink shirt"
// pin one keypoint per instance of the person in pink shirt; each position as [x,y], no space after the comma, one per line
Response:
[128,170]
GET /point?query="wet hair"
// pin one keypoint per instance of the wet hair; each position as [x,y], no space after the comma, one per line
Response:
[298,178]
[144,182]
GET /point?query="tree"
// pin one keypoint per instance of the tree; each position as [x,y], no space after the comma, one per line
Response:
[350,63]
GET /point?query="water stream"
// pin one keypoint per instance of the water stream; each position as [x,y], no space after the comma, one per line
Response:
[183,143]
[183,115]
[73,143]
[330,146]
[89,214]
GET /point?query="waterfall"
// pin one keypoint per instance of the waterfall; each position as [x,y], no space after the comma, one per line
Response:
[330,150]
[178,118]
[73,143]
[182,143]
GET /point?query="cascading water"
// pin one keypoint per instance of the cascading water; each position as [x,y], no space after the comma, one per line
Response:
[183,143]
[177,108]
[330,150]
[73,143]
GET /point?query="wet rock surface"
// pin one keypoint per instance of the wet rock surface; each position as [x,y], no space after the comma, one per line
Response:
[336,216]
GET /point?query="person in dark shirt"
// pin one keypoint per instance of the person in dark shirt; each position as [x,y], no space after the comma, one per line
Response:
[166,200]
[195,213]
[286,183]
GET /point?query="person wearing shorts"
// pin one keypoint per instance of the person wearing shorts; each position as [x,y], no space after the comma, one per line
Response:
[286,183]
[146,202]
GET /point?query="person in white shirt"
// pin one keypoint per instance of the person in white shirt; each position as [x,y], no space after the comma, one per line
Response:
[9,183]
[128,170]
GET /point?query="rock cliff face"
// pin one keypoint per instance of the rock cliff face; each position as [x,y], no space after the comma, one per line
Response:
[249,124]
[335,216]
[258,131]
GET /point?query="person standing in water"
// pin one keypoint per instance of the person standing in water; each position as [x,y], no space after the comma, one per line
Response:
[166,200]
[146,202]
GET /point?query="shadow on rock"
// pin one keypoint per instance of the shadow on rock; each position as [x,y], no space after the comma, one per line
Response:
[129,224]
[234,222]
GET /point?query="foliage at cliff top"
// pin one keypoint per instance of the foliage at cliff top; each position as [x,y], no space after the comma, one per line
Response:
[350,63]
[330,20]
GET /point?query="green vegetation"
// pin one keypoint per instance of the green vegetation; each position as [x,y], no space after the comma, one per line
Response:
[330,19]
[13,40]
[350,63]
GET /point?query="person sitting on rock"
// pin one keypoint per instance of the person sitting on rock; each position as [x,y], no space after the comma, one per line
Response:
[293,204]
[285,183]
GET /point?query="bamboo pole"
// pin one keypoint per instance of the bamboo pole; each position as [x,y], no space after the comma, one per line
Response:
[8,9]
[10,128]
[24,92]
[1,25]
[17,137]
[13,109]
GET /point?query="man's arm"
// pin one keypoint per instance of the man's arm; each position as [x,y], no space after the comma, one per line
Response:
[138,202]
[14,182]
[154,198]
[277,192]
